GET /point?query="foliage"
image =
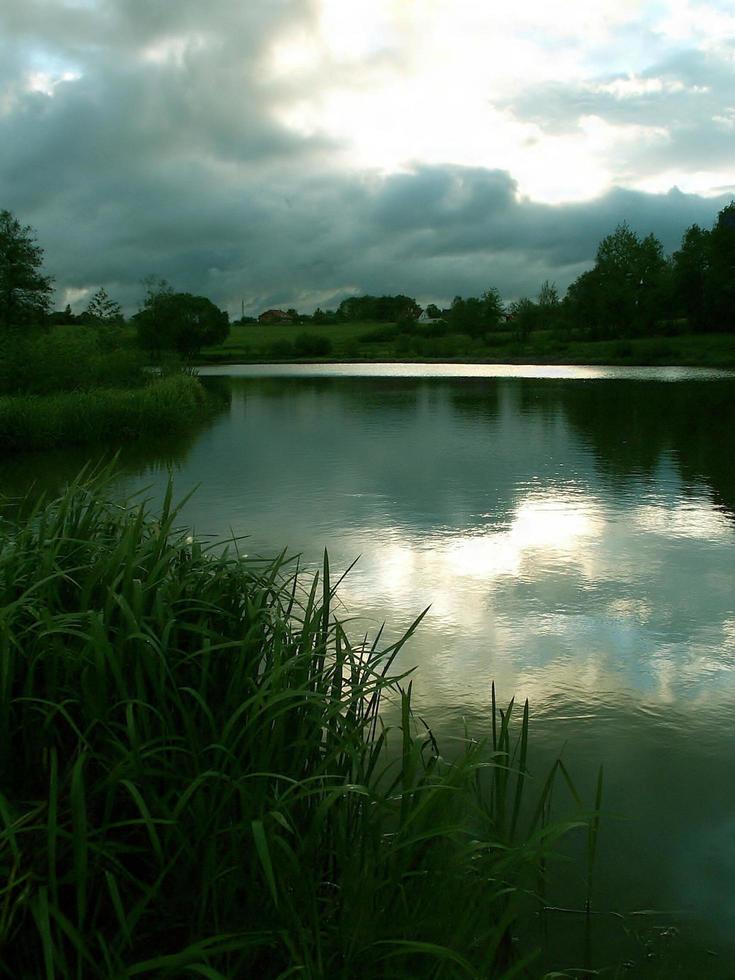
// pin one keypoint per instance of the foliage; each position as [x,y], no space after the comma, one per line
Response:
[196,779]
[382,309]
[101,309]
[311,345]
[720,277]
[476,316]
[67,359]
[102,415]
[24,290]
[179,321]
[690,273]
[525,316]
[625,293]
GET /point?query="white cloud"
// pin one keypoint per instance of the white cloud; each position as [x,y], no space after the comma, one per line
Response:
[395,84]
[299,151]
[46,82]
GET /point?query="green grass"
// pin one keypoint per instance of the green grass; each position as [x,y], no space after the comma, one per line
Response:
[355,341]
[195,779]
[109,415]
[254,340]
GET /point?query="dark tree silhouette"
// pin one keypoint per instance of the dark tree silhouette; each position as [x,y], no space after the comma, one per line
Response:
[24,290]
[626,291]
[179,322]
[102,309]
[720,279]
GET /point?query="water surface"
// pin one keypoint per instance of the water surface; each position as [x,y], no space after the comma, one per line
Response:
[572,531]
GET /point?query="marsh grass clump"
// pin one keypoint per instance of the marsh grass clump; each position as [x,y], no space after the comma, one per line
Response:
[111,415]
[195,778]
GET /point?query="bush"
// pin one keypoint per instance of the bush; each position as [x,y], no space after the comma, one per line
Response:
[311,345]
[72,358]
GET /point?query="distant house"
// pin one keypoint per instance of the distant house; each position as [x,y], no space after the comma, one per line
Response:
[427,318]
[274,316]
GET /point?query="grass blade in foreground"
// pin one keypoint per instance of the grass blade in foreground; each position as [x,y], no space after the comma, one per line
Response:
[195,776]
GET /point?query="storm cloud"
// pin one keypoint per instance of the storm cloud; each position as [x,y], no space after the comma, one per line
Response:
[156,138]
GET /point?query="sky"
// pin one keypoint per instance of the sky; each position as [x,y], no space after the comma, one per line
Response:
[291,153]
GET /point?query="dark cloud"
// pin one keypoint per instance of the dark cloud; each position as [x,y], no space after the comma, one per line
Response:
[165,156]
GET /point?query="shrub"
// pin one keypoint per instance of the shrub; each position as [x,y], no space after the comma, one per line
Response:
[311,345]
[71,358]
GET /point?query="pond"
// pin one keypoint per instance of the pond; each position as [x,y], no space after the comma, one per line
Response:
[572,531]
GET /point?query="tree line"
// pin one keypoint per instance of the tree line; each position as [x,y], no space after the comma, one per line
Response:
[633,289]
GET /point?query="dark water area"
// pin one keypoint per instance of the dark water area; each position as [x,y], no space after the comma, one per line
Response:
[573,532]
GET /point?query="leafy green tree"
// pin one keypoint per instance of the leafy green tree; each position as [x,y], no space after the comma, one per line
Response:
[524,317]
[720,277]
[433,311]
[103,310]
[492,308]
[689,273]
[179,322]
[626,291]
[467,315]
[476,316]
[583,305]
[548,297]
[24,290]
[384,309]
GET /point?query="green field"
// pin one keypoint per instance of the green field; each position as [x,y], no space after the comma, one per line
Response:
[355,341]
[252,340]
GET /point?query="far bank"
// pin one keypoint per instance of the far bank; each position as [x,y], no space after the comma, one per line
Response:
[355,342]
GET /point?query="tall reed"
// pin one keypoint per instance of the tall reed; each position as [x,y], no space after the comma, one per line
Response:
[109,415]
[195,779]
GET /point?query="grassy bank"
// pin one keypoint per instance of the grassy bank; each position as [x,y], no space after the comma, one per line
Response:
[384,342]
[108,415]
[195,779]
[79,385]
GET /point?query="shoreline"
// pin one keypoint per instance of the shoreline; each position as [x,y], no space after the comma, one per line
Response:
[515,362]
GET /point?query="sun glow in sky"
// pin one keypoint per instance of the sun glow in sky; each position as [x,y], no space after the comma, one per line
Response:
[397,83]
[293,153]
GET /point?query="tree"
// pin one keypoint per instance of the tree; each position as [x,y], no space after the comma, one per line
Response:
[24,290]
[626,292]
[720,281]
[690,272]
[103,310]
[548,296]
[384,309]
[492,307]
[476,316]
[524,316]
[179,321]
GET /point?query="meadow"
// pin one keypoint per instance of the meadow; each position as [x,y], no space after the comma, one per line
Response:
[196,779]
[386,342]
